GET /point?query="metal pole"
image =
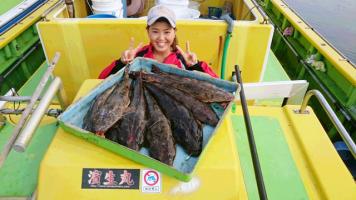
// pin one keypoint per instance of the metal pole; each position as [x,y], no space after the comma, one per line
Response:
[15,98]
[29,129]
[50,112]
[264,15]
[256,163]
[6,150]
[332,116]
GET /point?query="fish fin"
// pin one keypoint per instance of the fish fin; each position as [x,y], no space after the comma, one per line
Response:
[100,134]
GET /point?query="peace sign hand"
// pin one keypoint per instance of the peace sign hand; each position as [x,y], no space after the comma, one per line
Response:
[189,57]
[129,54]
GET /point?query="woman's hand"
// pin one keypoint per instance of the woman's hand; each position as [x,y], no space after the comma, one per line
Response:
[189,57]
[128,55]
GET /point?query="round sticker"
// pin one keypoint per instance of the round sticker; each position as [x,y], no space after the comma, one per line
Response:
[151,178]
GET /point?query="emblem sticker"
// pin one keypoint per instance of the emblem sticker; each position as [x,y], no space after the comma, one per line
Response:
[97,178]
[151,181]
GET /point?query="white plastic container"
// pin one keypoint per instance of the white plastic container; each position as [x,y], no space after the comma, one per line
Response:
[106,3]
[185,12]
[184,3]
[116,11]
[111,7]
[194,5]
[180,8]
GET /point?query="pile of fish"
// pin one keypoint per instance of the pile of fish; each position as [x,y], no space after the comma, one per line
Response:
[156,110]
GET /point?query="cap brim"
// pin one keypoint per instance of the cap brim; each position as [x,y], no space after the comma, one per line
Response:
[153,20]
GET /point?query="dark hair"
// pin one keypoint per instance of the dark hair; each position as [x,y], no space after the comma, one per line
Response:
[175,40]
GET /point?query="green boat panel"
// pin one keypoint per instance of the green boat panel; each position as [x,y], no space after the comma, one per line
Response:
[19,174]
[17,44]
[31,84]
[294,51]
[14,50]
[281,177]
[274,70]
[20,72]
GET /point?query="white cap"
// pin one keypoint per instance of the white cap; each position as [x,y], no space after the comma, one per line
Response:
[159,11]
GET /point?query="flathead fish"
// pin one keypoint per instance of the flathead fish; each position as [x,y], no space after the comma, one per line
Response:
[130,129]
[158,133]
[113,108]
[186,130]
[200,110]
[95,107]
[201,90]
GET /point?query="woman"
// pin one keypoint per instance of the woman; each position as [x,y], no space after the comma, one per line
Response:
[161,29]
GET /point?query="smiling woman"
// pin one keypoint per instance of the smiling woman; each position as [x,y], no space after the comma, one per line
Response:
[163,38]
[163,47]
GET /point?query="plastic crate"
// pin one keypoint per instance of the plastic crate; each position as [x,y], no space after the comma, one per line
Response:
[72,119]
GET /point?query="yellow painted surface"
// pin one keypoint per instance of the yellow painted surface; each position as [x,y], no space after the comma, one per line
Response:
[89,45]
[12,33]
[329,178]
[345,68]
[321,169]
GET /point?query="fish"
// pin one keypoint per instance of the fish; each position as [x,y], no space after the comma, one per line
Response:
[112,134]
[200,110]
[95,107]
[131,127]
[158,133]
[186,130]
[113,108]
[201,90]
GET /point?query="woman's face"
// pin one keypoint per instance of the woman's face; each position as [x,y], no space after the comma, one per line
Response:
[161,36]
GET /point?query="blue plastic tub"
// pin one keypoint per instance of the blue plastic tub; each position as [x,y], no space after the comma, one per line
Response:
[101,16]
[72,121]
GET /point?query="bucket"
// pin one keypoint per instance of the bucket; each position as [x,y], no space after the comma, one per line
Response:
[180,8]
[111,7]
[184,3]
[115,12]
[101,16]
[186,13]
[106,3]
[194,5]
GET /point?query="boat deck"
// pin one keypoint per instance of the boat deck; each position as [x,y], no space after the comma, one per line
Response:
[293,165]
[294,154]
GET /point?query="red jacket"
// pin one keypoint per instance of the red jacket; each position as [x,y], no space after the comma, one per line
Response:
[174,58]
